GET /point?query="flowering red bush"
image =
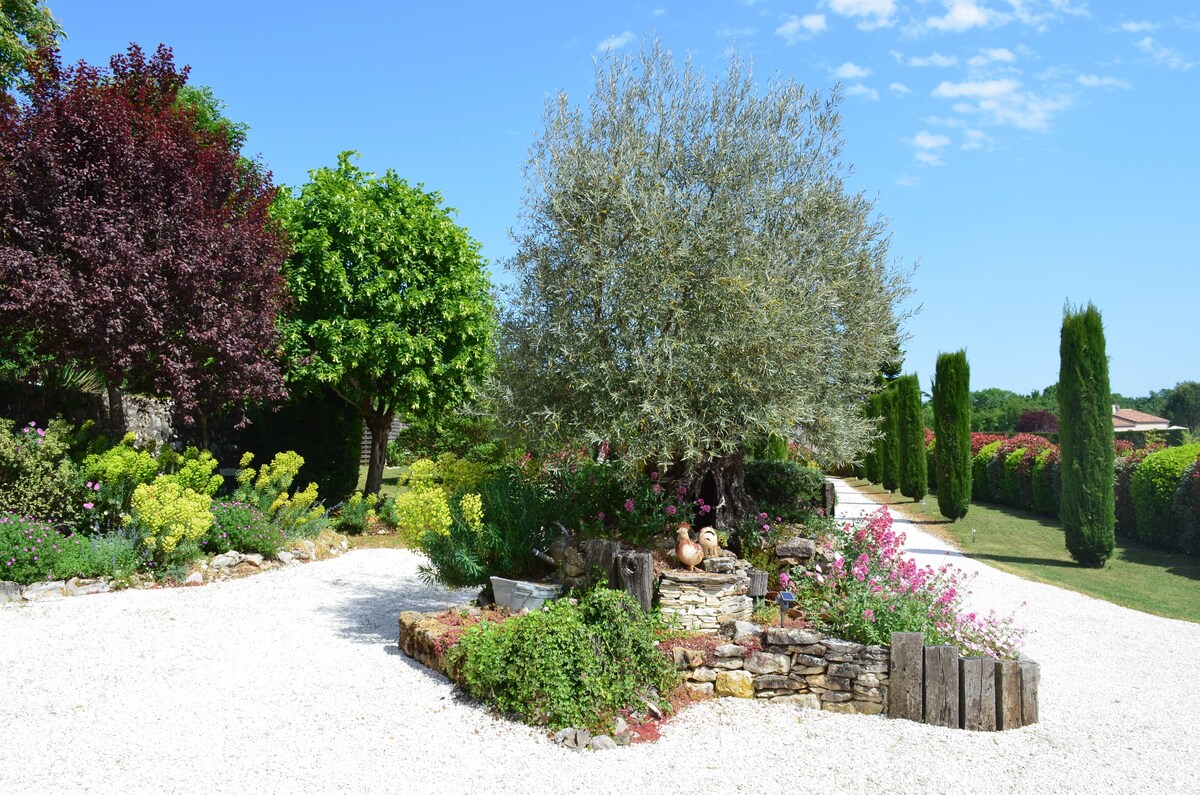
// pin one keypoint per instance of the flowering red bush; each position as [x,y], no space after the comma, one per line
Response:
[982,440]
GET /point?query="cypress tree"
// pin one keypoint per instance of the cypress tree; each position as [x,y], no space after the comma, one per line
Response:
[871,458]
[952,429]
[1085,438]
[914,471]
[891,439]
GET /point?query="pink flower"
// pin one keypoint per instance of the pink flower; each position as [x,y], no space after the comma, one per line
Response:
[629,505]
[654,476]
[600,516]
[681,490]
[657,489]
[869,615]
[671,510]
[89,505]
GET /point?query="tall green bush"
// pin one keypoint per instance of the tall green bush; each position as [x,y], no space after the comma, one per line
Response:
[1045,480]
[952,429]
[1085,438]
[874,458]
[914,473]
[1154,485]
[1187,508]
[891,439]
[980,489]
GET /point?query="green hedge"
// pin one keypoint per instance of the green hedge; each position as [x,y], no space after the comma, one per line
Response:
[1012,491]
[980,486]
[1154,485]
[1045,482]
[1187,508]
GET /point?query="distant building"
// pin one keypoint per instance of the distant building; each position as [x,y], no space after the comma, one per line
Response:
[1133,420]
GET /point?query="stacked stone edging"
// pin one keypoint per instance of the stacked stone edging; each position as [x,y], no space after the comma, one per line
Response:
[797,666]
[703,600]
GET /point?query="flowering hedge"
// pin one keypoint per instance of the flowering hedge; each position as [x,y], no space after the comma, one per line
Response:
[872,590]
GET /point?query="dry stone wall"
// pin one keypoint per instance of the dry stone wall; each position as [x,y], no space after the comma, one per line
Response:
[796,666]
[702,601]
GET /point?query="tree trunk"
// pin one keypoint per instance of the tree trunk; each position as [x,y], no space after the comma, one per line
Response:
[116,411]
[721,483]
[379,425]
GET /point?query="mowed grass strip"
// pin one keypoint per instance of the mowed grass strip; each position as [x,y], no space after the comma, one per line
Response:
[1033,547]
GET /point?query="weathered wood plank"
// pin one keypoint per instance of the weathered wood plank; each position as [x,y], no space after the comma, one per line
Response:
[598,553]
[1008,695]
[941,686]
[758,584]
[635,570]
[977,693]
[1031,675]
[906,679]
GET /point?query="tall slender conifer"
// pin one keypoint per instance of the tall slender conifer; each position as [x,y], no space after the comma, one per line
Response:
[952,430]
[891,439]
[914,469]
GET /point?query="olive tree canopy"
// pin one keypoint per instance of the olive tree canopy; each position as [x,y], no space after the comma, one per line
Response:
[692,274]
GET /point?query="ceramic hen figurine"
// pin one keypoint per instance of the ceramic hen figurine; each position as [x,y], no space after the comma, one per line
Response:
[688,551]
[709,543]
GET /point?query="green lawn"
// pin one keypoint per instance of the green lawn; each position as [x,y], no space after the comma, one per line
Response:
[1032,547]
[390,476]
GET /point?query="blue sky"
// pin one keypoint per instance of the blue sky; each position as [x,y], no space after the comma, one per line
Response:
[1027,152]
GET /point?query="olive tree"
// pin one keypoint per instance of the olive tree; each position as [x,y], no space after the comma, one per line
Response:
[691,274]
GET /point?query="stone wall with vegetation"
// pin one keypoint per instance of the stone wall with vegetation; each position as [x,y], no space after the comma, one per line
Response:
[798,666]
[701,601]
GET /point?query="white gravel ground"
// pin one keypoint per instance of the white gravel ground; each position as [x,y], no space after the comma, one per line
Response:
[291,681]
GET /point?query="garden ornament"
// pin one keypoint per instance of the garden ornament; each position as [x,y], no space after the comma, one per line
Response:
[688,551]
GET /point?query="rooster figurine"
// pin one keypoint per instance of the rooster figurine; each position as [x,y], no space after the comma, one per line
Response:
[709,542]
[688,551]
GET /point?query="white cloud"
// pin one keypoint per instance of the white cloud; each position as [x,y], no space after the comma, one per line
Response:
[851,71]
[1002,102]
[908,181]
[929,158]
[900,88]
[796,28]
[658,12]
[872,14]
[962,15]
[1162,54]
[859,90]
[1024,13]
[616,42]
[997,55]
[1138,27]
[973,139]
[927,140]
[936,59]
[976,89]
[1096,81]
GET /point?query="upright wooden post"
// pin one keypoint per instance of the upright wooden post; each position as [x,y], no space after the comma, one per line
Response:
[1008,695]
[758,584]
[1031,674]
[941,686]
[635,570]
[977,693]
[906,680]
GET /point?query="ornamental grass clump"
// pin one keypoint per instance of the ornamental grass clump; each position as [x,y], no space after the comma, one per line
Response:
[872,589]
[567,664]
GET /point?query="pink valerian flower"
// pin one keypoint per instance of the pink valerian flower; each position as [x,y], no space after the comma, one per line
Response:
[657,489]
[869,615]
[785,582]
[629,506]
[89,505]
[600,516]
[671,510]
[654,476]
[681,490]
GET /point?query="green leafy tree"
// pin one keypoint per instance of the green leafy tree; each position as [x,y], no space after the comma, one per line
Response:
[391,301]
[692,275]
[914,466]
[997,410]
[1182,405]
[871,457]
[1085,438]
[891,439]
[952,429]
[25,26]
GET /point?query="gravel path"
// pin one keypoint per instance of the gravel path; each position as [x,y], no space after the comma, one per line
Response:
[291,681]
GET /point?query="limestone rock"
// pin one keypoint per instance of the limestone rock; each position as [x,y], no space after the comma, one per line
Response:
[835,698]
[729,663]
[868,708]
[702,675]
[848,670]
[730,650]
[285,558]
[775,682]
[254,558]
[700,688]
[804,701]
[738,631]
[796,548]
[227,560]
[761,662]
[77,586]
[42,591]
[739,684]
[601,743]
[195,578]
[9,592]
[845,647]
[779,636]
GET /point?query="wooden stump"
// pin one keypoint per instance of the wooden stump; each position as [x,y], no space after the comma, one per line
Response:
[906,680]
[635,570]
[1008,695]
[1031,674]
[941,686]
[977,693]
[758,584]
[603,555]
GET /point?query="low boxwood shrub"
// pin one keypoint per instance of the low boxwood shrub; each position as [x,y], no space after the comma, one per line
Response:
[568,664]
[1154,485]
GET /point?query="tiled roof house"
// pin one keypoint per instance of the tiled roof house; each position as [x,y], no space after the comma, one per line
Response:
[1133,420]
